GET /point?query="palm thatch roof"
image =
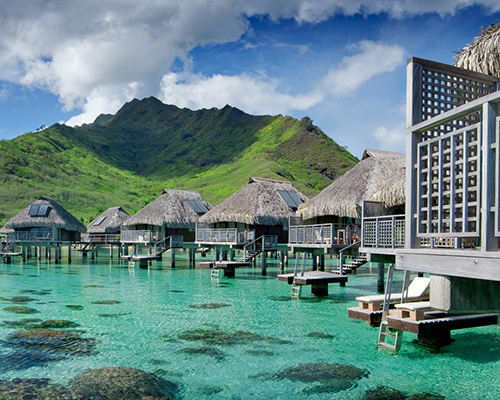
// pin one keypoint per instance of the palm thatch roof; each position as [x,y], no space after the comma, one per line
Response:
[483,54]
[56,217]
[345,196]
[393,193]
[109,221]
[171,210]
[257,203]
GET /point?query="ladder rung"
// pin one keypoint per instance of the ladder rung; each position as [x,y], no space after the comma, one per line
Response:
[392,335]
[389,346]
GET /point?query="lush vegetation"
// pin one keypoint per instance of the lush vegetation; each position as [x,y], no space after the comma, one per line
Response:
[128,158]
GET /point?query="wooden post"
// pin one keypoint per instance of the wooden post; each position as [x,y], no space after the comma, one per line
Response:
[321,262]
[380,278]
[315,262]
[231,254]
[110,251]
[319,289]
[69,253]
[173,258]
[47,252]
[192,257]
[264,263]
[23,251]
[282,260]
[56,254]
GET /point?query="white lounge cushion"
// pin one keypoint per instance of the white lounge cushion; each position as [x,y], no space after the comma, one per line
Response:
[416,289]
[416,305]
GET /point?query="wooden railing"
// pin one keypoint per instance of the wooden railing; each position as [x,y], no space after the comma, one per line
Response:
[384,232]
[24,236]
[323,235]
[140,236]
[100,238]
[223,236]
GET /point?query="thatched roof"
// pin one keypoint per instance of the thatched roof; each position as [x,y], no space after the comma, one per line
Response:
[109,221]
[345,196]
[483,54]
[57,216]
[170,210]
[393,193]
[257,203]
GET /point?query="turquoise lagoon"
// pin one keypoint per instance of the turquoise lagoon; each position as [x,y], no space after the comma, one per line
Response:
[164,320]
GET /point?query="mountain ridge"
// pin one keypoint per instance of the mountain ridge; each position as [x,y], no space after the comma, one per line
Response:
[127,158]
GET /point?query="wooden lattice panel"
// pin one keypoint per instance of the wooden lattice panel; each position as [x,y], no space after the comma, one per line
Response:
[370,233]
[443,91]
[449,184]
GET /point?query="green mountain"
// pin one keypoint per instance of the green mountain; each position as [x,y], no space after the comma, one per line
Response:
[128,158]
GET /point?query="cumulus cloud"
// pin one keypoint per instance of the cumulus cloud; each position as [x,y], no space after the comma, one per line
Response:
[373,59]
[257,95]
[391,139]
[90,52]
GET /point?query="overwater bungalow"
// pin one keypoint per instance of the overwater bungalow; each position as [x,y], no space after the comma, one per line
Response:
[107,226]
[44,223]
[168,222]
[451,227]
[331,221]
[104,230]
[254,218]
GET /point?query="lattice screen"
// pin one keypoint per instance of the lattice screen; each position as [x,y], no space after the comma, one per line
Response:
[369,233]
[443,91]
[449,184]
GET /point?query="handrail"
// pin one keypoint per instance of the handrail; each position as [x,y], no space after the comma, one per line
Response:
[263,238]
[342,255]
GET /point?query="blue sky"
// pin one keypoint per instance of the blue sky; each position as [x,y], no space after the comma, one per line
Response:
[340,62]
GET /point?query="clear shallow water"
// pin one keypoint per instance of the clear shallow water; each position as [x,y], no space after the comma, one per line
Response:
[152,308]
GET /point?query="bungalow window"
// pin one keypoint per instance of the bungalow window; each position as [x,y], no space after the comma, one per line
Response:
[99,221]
[291,199]
[38,210]
[197,206]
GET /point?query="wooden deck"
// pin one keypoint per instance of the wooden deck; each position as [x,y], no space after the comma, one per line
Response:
[439,321]
[230,266]
[313,277]
[434,329]
[318,280]
[143,260]
[372,317]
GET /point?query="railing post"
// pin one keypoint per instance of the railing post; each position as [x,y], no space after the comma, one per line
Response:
[341,260]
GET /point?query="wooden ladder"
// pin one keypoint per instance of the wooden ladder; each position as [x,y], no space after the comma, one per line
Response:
[296,289]
[384,331]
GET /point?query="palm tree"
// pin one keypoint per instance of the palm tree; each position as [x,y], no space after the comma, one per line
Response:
[483,54]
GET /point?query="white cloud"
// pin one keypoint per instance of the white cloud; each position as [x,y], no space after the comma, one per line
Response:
[253,94]
[261,95]
[391,139]
[81,49]
[104,100]
[373,59]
